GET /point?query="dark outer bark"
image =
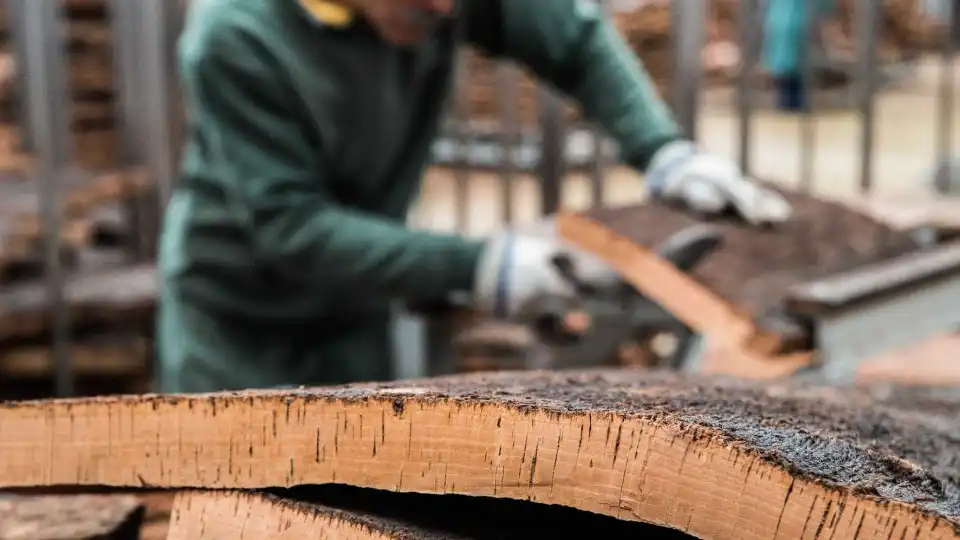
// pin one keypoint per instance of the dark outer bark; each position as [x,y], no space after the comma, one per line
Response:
[896,443]
[755,267]
[70,517]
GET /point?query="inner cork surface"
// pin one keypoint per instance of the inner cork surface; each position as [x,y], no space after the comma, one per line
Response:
[898,443]
[416,515]
[755,267]
[76,517]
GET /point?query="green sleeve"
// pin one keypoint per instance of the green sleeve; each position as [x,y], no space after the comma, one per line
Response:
[574,47]
[254,141]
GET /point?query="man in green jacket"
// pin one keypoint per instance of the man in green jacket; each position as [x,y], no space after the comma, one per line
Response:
[310,126]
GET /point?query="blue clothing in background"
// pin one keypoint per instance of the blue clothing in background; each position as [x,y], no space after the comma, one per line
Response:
[784,30]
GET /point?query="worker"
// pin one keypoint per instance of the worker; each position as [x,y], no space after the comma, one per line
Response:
[310,126]
[789,37]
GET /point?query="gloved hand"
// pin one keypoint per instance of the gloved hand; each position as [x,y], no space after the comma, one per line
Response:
[516,269]
[709,185]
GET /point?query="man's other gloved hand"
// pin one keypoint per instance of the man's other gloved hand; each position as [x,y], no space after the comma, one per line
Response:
[516,269]
[709,185]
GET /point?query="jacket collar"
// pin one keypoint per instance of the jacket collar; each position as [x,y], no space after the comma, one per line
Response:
[333,14]
[328,13]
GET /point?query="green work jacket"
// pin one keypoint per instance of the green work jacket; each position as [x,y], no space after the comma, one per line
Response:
[285,240]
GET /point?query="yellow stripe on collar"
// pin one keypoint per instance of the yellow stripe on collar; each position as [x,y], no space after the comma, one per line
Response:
[329,13]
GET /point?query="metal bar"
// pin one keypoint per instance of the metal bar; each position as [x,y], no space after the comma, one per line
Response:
[599,169]
[946,100]
[18,38]
[461,132]
[126,60]
[160,22]
[867,29]
[598,172]
[749,50]
[875,281]
[130,112]
[807,93]
[48,97]
[688,22]
[508,94]
[552,166]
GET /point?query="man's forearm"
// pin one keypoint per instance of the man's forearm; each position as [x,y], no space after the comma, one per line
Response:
[335,247]
[572,45]
[616,92]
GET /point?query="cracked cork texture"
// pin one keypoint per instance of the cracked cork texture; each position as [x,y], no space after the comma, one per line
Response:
[755,267]
[715,457]
[333,512]
[239,515]
[76,517]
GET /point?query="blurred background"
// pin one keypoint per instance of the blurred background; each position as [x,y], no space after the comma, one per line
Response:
[857,104]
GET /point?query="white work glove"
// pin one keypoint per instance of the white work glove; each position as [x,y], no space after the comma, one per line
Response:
[709,185]
[516,269]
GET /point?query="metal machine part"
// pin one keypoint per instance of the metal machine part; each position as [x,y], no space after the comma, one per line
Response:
[595,328]
[907,299]
[591,329]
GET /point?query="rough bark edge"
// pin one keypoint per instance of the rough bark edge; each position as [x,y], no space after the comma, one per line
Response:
[656,470]
[280,518]
[697,306]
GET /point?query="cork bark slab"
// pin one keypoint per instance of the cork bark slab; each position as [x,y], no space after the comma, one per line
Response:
[156,519]
[406,515]
[70,517]
[717,458]
[241,515]
[748,277]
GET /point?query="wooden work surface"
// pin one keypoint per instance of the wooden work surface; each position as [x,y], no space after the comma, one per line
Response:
[718,458]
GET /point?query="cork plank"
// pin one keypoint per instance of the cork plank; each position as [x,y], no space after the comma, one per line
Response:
[242,515]
[739,291]
[714,457]
[70,517]
[415,515]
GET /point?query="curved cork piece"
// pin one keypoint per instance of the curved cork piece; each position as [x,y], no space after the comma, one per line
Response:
[746,280]
[725,326]
[71,517]
[714,457]
[679,293]
[242,515]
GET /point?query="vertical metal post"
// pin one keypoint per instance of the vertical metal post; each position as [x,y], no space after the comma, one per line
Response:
[462,137]
[688,22]
[811,24]
[509,132]
[553,141]
[598,172]
[160,24]
[124,27]
[867,29]
[129,111]
[18,38]
[749,37]
[48,99]
[946,101]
